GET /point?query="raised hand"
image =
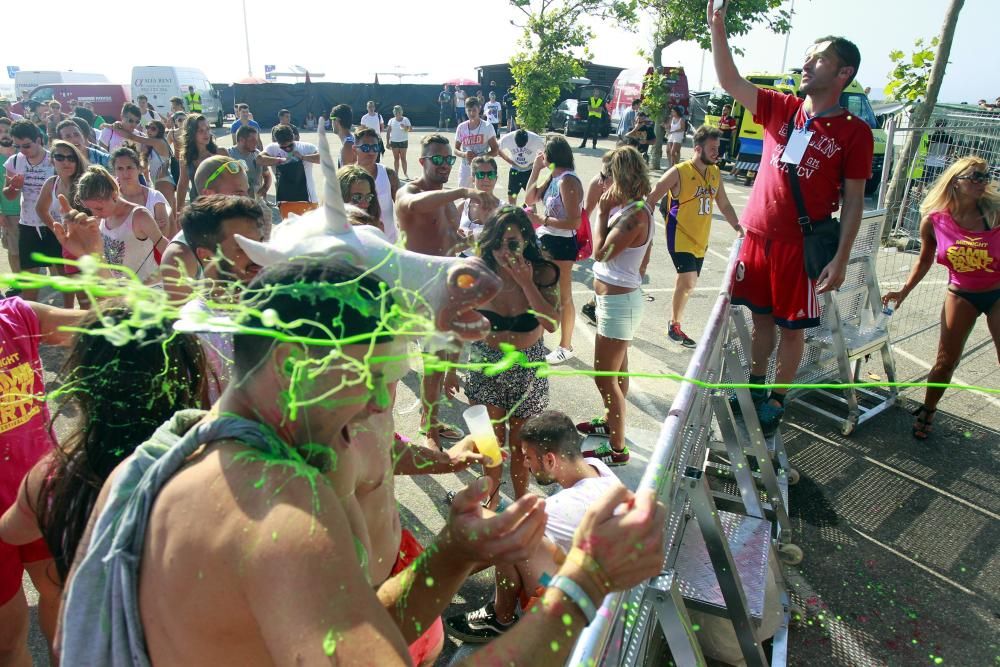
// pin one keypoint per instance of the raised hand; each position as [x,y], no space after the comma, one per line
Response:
[78,232]
[623,533]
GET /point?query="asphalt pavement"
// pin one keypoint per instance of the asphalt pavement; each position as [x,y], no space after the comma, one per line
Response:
[901,538]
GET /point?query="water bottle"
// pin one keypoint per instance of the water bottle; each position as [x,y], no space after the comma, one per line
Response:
[882,321]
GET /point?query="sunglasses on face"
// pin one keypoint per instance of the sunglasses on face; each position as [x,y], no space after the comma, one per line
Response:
[367,148]
[287,148]
[486,174]
[358,198]
[233,167]
[438,160]
[977,177]
[514,246]
[25,147]
[61,157]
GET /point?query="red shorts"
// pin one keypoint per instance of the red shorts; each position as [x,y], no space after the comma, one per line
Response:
[433,638]
[771,280]
[12,560]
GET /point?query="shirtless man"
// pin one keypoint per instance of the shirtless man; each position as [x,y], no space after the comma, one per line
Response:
[427,216]
[250,557]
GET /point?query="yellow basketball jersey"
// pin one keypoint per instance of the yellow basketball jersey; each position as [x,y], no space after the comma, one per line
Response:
[689,215]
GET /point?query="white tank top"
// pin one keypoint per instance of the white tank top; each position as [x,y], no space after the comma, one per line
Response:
[555,208]
[676,131]
[383,189]
[154,197]
[122,248]
[623,269]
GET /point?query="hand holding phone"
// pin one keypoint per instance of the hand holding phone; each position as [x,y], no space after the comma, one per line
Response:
[718,5]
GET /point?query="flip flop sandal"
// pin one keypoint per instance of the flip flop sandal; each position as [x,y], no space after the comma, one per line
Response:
[923,427]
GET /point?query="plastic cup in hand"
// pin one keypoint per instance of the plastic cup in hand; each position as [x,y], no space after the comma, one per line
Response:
[481,430]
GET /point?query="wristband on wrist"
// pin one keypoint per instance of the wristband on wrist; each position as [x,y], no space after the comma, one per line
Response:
[591,567]
[572,590]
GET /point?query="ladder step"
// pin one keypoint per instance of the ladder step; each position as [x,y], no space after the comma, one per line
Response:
[721,480]
[750,543]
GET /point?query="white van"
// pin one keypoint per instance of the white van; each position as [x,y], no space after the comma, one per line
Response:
[159,83]
[27,80]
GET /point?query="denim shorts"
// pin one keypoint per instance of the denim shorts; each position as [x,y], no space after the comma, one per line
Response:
[619,315]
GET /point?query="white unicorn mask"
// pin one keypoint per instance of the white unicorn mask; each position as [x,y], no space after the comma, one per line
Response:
[445,289]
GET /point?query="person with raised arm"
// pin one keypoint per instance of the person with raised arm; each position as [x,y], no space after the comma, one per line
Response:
[815,154]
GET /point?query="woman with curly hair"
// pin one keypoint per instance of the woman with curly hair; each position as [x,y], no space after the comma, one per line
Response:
[961,229]
[526,306]
[622,242]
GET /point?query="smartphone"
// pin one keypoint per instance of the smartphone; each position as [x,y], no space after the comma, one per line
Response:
[719,4]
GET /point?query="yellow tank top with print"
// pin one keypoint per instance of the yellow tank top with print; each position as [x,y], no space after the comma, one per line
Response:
[689,214]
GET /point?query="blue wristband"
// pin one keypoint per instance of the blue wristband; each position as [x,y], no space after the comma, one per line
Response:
[573,591]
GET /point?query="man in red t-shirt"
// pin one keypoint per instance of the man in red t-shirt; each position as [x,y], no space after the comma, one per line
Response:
[831,151]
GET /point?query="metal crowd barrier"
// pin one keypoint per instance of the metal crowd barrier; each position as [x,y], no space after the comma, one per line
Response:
[725,487]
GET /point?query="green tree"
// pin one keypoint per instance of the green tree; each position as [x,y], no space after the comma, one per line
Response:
[908,78]
[684,21]
[921,113]
[551,48]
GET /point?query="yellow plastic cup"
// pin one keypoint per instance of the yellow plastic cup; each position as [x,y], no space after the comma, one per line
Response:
[481,430]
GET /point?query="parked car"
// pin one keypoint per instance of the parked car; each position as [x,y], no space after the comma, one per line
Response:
[569,117]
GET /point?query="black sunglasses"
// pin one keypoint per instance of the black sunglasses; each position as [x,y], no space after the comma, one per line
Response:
[60,157]
[438,160]
[977,177]
[367,148]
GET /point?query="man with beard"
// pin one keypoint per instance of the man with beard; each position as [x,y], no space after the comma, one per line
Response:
[692,187]
[209,226]
[227,528]
[426,214]
[551,448]
[815,155]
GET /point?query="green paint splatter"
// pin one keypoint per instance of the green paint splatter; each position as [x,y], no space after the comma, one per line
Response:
[567,619]
[330,643]
[554,645]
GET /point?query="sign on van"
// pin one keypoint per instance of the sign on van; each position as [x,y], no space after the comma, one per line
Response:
[12,70]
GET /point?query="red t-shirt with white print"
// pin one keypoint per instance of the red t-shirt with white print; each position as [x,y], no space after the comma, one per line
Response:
[841,147]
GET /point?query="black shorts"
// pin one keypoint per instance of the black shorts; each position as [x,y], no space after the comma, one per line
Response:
[517,180]
[559,248]
[399,144]
[685,262]
[37,239]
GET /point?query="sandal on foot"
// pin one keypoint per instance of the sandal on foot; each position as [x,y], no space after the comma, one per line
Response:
[923,427]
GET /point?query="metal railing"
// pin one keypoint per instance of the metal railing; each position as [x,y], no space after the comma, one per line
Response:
[681,443]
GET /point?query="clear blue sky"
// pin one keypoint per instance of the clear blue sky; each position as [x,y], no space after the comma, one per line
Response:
[433,38]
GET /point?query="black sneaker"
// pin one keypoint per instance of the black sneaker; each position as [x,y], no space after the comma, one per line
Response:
[477,627]
[678,336]
[589,311]
[758,396]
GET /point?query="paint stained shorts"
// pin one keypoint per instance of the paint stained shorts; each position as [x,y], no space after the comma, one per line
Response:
[518,391]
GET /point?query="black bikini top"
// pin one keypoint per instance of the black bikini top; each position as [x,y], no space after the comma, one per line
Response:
[523,323]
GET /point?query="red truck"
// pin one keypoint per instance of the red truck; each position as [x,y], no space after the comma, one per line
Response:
[107,98]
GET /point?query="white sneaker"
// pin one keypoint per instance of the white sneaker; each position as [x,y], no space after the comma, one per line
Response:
[559,355]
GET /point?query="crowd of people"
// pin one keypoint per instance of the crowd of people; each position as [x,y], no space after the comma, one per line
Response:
[158,501]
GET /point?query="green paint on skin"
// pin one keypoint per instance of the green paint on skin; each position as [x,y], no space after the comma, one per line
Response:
[554,645]
[330,643]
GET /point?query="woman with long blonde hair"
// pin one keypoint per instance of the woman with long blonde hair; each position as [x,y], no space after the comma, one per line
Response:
[961,229]
[622,241]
